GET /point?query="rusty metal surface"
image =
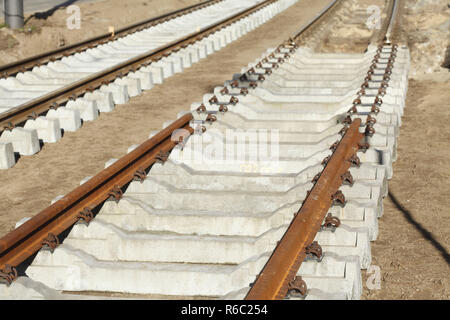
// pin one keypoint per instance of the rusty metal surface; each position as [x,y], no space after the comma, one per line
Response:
[28,63]
[43,229]
[281,268]
[42,104]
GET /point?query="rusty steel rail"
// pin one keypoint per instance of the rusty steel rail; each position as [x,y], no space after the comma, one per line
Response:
[43,229]
[385,34]
[278,275]
[31,62]
[32,109]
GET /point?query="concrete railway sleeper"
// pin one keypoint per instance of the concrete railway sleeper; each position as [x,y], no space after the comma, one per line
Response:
[190,212]
[36,105]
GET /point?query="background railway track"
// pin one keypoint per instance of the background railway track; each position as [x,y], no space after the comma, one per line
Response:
[12,69]
[125,70]
[380,134]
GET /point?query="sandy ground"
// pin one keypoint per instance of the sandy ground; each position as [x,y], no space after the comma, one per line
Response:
[412,247]
[48,30]
[426,30]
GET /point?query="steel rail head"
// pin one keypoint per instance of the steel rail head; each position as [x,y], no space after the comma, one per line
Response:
[41,105]
[389,31]
[386,31]
[281,268]
[98,188]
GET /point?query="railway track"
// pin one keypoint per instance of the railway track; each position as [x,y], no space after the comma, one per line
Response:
[37,105]
[27,64]
[270,188]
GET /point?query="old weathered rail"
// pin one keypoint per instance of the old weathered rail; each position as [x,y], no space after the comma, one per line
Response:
[278,275]
[44,228]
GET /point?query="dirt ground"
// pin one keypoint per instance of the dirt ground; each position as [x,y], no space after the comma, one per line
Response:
[413,243]
[414,238]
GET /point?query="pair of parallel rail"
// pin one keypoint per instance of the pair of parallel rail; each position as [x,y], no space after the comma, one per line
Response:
[278,275]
